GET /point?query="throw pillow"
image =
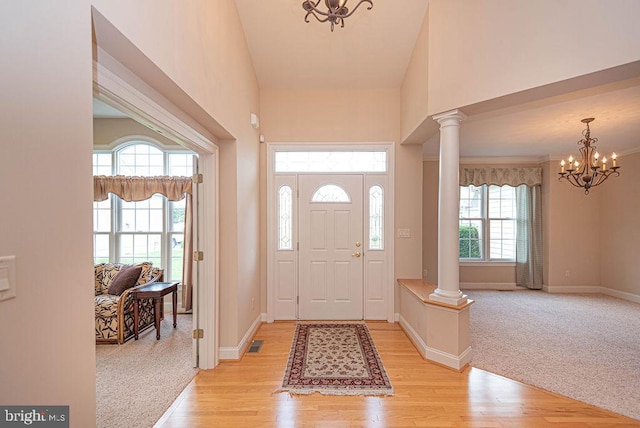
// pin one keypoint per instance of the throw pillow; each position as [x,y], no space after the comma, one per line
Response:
[125,279]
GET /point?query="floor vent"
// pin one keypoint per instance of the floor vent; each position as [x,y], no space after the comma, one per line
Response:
[255,347]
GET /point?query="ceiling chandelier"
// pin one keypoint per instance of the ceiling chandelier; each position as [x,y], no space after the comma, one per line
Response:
[591,171]
[336,12]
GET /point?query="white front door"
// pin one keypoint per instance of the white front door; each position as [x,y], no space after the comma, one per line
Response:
[331,250]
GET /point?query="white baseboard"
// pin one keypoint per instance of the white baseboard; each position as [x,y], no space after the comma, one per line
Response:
[572,288]
[396,317]
[502,286]
[236,352]
[263,317]
[454,361]
[413,336]
[592,289]
[228,353]
[621,294]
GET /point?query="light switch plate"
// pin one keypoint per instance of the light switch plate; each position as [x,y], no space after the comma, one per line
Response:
[7,277]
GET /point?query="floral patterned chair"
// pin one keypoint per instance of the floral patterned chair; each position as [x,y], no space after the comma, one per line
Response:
[114,313]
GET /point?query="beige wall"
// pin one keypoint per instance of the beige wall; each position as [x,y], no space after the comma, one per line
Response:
[414,85]
[571,235]
[471,58]
[430,180]
[330,116]
[106,131]
[487,275]
[619,231]
[357,116]
[222,81]
[47,345]
[47,130]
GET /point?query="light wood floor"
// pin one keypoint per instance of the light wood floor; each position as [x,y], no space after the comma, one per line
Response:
[241,394]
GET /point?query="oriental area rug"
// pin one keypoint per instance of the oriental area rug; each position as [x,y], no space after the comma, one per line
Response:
[335,358]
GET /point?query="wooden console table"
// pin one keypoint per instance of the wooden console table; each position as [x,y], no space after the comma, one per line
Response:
[155,291]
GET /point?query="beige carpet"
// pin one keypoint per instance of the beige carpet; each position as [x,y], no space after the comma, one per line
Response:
[137,381]
[583,346]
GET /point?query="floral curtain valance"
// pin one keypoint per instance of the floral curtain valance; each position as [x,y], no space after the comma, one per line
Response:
[136,189]
[501,176]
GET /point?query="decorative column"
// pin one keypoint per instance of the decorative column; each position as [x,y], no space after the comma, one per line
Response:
[448,290]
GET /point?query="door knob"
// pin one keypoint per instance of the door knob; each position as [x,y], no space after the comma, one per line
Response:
[356,254]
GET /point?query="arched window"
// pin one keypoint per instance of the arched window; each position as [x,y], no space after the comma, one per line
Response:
[331,193]
[150,230]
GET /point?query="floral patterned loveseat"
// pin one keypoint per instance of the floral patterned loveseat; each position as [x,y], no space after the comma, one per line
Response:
[114,313]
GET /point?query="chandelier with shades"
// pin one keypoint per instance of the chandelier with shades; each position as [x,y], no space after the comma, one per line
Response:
[590,170]
[336,12]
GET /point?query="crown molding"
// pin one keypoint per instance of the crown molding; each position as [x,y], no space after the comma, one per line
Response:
[494,160]
[625,152]
[629,151]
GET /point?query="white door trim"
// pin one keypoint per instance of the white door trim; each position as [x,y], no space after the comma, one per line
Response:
[389,277]
[110,86]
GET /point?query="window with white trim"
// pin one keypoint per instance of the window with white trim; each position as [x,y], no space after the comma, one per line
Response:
[150,230]
[487,223]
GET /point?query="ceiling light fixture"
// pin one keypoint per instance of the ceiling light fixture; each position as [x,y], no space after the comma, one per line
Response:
[336,12]
[590,171]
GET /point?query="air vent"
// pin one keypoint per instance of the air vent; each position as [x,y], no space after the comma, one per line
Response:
[255,347]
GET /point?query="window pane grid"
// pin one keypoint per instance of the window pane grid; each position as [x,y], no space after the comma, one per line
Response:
[143,216]
[151,230]
[140,247]
[141,160]
[487,223]
[502,239]
[102,164]
[102,216]
[180,164]
[471,202]
[502,202]
[101,247]
[471,239]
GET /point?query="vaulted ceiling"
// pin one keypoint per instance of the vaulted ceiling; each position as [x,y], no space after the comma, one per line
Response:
[373,51]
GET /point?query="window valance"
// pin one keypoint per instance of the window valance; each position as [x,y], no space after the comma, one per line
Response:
[501,176]
[136,189]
